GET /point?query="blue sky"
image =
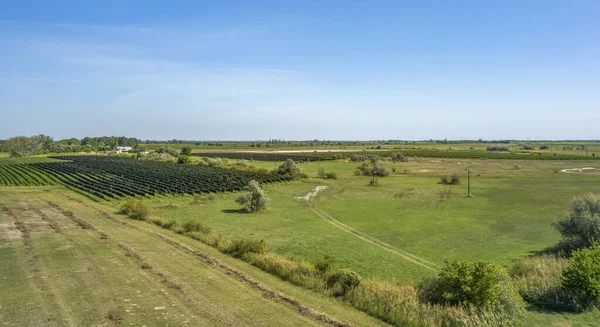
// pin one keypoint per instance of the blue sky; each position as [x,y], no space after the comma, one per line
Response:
[343,70]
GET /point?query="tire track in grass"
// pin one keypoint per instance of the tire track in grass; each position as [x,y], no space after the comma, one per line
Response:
[313,204]
[267,292]
[54,316]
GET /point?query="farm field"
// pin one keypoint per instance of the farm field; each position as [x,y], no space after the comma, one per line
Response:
[562,147]
[57,273]
[400,231]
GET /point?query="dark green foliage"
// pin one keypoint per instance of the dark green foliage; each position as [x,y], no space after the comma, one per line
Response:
[289,169]
[135,209]
[186,151]
[341,281]
[183,159]
[582,277]
[242,246]
[580,226]
[26,146]
[497,148]
[479,284]
[452,180]
[331,175]
[399,157]
[114,177]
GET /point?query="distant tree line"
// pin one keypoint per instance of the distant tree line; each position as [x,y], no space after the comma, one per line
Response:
[39,144]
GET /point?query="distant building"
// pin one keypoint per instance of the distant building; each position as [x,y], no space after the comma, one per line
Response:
[122,149]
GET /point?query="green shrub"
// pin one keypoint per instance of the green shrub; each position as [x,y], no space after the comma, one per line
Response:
[183,159]
[452,180]
[194,226]
[331,175]
[289,168]
[582,277]
[253,199]
[186,150]
[341,281]
[581,224]
[479,284]
[399,157]
[240,247]
[135,209]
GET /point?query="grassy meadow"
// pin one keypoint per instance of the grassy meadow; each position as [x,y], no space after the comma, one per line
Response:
[400,230]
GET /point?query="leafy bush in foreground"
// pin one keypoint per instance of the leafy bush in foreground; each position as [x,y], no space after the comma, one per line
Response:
[582,277]
[479,284]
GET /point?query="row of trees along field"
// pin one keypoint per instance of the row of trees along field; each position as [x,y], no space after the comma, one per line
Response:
[40,144]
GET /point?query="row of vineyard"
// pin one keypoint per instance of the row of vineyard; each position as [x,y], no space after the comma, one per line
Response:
[434,153]
[114,177]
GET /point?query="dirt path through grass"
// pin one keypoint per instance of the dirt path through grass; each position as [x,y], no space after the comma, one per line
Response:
[335,189]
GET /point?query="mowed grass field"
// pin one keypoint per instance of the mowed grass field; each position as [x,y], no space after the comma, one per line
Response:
[68,261]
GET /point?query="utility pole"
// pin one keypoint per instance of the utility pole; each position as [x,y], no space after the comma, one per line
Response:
[469,182]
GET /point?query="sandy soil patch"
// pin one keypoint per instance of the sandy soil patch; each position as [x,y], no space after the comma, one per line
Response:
[11,232]
[313,193]
[424,171]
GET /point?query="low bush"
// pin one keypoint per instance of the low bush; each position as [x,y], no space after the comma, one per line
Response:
[452,180]
[183,159]
[497,148]
[480,284]
[341,281]
[582,277]
[240,247]
[399,157]
[194,226]
[135,209]
[290,169]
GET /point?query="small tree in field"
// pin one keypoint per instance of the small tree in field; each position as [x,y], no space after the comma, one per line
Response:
[580,226]
[289,168]
[186,151]
[399,157]
[254,199]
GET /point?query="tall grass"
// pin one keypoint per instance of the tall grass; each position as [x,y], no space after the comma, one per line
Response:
[539,281]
